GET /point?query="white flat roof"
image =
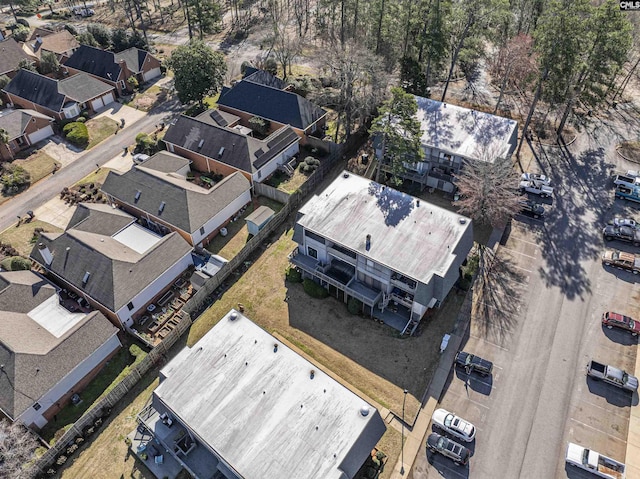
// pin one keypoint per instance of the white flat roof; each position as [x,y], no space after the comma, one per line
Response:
[462,131]
[54,318]
[261,411]
[410,236]
[137,238]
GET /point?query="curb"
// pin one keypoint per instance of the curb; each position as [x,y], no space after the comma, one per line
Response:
[624,157]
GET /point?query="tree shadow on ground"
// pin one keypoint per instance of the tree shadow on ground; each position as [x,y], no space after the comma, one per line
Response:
[570,233]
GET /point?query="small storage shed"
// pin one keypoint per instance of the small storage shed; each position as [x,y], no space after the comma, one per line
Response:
[259,218]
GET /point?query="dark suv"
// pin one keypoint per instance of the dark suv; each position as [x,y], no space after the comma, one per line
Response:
[531,208]
[473,363]
[448,448]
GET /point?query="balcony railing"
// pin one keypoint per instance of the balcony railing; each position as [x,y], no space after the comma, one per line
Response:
[341,255]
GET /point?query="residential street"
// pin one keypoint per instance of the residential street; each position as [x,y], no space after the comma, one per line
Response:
[539,322]
[51,186]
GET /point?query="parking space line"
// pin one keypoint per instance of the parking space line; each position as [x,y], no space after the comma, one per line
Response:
[525,283]
[599,430]
[523,269]
[468,399]
[517,252]
[608,411]
[487,341]
[479,320]
[524,241]
[443,466]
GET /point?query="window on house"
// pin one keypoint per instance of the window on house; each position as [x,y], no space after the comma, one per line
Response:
[37,406]
[314,236]
[312,252]
[20,141]
[130,306]
[122,84]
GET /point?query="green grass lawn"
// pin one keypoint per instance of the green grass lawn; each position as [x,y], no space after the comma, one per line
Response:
[22,237]
[100,129]
[230,245]
[115,370]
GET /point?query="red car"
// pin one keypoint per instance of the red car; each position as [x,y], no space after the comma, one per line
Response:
[615,320]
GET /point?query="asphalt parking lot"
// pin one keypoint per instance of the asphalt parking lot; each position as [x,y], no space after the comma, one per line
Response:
[596,415]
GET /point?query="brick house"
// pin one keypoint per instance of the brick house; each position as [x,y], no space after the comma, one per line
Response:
[61,99]
[10,56]
[25,128]
[61,43]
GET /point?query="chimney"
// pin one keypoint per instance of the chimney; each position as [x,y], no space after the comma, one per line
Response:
[45,253]
[368,243]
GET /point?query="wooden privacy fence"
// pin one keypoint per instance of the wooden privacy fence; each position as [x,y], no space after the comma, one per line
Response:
[104,406]
[196,304]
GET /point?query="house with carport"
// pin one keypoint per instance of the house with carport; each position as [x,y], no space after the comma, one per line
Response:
[397,255]
[241,404]
[451,135]
[215,143]
[50,347]
[195,212]
[62,99]
[112,262]
[24,128]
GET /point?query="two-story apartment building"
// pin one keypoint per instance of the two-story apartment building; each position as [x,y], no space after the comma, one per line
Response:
[452,134]
[240,404]
[113,263]
[399,256]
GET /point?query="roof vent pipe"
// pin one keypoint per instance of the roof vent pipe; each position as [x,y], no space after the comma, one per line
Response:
[368,243]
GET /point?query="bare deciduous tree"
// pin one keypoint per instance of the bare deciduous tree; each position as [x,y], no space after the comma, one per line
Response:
[17,446]
[488,188]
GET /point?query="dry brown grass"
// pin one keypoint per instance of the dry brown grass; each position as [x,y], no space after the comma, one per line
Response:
[20,237]
[369,356]
[100,129]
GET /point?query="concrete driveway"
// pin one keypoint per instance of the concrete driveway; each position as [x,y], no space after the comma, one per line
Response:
[117,111]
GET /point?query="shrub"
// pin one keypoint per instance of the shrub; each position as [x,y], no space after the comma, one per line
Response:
[71,29]
[61,460]
[72,448]
[77,133]
[271,66]
[293,275]
[302,86]
[16,263]
[314,290]
[259,125]
[146,144]
[79,440]
[309,165]
[81,119]
[101,34]
[133,82]
[14,178]
[244,66]
[20,33]
[354,306]
[4,80]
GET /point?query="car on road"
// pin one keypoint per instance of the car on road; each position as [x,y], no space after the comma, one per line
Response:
[448,448]
[624,222]
[454,425]
[470,362]
[531,208]
[536,177]
[621,260]
[536,188]
[620,321]
[622,233]
[140,158]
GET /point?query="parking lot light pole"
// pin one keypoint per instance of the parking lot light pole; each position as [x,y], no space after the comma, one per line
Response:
[404,400]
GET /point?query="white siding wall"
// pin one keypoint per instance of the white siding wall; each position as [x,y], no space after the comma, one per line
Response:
[153,289]
[319,247]
[226,213]
[47,400]
[270,167]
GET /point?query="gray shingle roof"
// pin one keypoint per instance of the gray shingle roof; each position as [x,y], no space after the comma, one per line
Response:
[264,78]
[36,88]
[83,87]
[240,151]
[272,104]
[133,57]
[10,55]
[187,206]
[33,359]
[118,273]
[15,122]
[95,61]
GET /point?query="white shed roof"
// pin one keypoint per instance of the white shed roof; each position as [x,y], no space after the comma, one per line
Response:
[258,407]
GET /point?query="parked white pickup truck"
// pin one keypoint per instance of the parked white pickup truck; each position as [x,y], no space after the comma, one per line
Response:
[594,462]
[537,188]
[611,375]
